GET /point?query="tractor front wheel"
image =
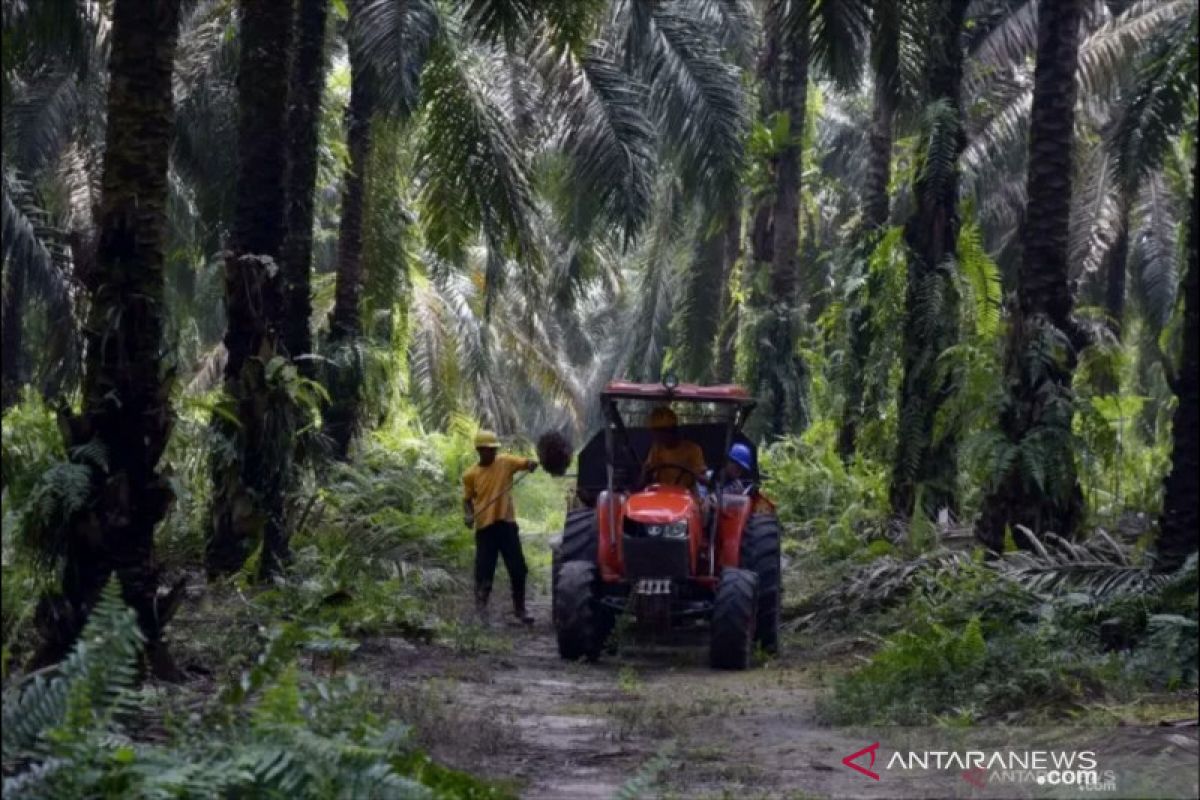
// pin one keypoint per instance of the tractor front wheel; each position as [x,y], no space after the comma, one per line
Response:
[579,543]
[578,618]
[733,619]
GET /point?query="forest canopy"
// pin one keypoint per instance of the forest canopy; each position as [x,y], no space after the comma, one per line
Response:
[268,266]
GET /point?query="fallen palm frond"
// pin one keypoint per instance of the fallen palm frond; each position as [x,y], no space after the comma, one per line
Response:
[876,586]
[1099,567]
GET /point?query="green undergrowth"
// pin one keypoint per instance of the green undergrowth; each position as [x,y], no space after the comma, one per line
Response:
[87,730]
[976,646]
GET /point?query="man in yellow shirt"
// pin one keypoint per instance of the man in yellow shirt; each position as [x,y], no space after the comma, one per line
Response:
[488,508]
[668,448]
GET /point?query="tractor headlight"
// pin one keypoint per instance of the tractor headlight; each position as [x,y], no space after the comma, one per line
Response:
[675,530]
[669,530]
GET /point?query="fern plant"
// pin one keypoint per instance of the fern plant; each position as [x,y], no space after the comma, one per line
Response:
[69,732]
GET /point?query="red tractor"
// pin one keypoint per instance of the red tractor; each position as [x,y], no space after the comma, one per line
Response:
[657,551]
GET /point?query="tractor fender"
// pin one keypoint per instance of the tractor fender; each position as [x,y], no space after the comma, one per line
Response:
[609,556]
[735,514]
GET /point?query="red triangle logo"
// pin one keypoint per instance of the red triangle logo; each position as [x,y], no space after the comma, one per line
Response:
[868,750]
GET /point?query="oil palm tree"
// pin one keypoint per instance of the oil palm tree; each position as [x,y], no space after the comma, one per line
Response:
[345,323]
[122,430]
[892,24]
[926,462]
[1181,501]
[251,477]
[306,82]
[1038,487]
[625,89]
[830,36]
[1151,110]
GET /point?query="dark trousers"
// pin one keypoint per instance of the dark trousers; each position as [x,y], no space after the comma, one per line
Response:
[499,539]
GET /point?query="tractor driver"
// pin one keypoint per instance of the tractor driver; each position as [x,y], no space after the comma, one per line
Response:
[667,448]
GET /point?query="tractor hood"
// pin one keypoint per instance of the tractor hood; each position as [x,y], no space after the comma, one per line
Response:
[659,504]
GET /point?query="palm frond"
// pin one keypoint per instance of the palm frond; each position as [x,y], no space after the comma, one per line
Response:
[657,259]
[474,172]
[1095,213]
[1153,255]
[395,39]
[698,315]
[1005,45]
[838,35]
[1108,52]
[698,100]
[43,119]
[31,244]
[735,25]
[607,138]
[1099,567]
[1164,88]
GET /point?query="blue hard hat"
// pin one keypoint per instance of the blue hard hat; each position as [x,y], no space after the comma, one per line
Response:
[740,454]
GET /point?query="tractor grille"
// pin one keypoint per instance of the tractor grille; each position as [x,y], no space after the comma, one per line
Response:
[647,557]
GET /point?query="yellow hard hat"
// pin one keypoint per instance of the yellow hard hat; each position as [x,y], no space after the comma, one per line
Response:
[486,439]
[663,417]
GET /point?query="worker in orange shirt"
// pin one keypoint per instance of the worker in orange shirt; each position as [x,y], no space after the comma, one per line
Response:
[669,451]
[488,508]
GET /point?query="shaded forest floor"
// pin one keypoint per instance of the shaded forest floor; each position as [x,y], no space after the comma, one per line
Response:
[497,702]
[511,710]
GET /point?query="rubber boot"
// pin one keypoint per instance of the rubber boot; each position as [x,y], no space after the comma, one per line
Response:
[523,616]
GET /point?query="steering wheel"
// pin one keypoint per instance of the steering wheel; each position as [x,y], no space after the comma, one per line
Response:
[699,479]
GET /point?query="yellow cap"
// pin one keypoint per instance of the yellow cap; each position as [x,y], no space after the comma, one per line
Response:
[486,439]
[663,417]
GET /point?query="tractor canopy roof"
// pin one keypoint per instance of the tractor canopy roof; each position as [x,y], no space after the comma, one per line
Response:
[679,393]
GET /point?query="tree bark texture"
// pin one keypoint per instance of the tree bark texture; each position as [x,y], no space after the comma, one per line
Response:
[876,213]
[249,487]
[926,460]
[779,373]
[126,415]
[1181,496]
[345,381]
[1041,350]
[307,81]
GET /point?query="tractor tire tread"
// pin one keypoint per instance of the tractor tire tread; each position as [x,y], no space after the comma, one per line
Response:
[733,619]
[761,555]
[580,536]
[578,621]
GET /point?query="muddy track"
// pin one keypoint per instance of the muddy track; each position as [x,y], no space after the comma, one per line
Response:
[500,703]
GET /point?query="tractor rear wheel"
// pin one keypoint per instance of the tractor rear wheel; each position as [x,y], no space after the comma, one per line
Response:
[733,619]
[760,555]
[579,622]
[579,542]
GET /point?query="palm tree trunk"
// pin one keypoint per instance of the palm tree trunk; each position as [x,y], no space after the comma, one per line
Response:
[1181,499]
[876,212]
[345,323]
[783,68]
[12,347]
[885,36]
[922,464]
[304,112]
[1043,340]
[126,387]
[248,489]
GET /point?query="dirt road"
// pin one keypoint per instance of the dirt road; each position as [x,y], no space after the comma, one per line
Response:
[500,703]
